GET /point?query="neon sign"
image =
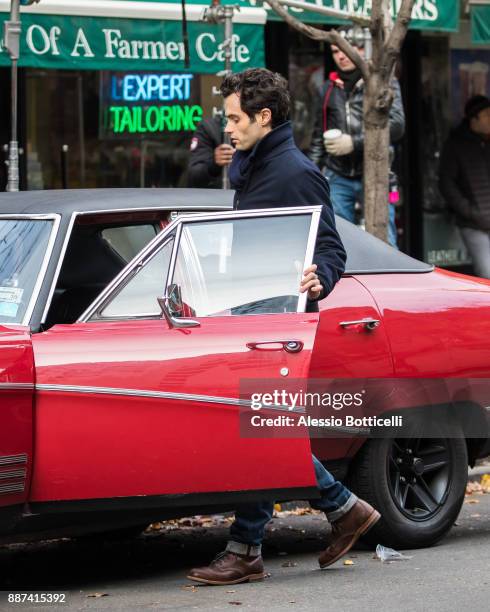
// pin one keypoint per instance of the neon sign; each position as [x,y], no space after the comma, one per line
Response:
[139,103]
[153,119]
[151,87]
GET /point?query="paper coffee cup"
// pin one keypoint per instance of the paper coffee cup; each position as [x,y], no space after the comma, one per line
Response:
[330,135]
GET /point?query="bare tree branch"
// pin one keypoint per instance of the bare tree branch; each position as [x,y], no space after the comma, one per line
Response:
[397,36]
[332,36]
[324,10]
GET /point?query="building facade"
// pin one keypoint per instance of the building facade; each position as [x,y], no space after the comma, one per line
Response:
[108,99]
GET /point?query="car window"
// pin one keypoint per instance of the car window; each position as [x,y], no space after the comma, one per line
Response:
[128,240]
[23,244]
[138,297]
[242,266]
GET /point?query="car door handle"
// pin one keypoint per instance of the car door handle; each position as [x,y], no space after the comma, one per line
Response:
[290,346]
[368,324]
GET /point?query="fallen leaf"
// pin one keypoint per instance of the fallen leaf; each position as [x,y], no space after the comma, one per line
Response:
[277,507]
[473,487]
[98,595]
[231,591]
[475,515]
[471,501]
[189,587]
[289,564]
[485,483]
[235,603]
[348,562]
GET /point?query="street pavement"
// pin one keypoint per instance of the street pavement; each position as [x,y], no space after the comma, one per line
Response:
[148,572]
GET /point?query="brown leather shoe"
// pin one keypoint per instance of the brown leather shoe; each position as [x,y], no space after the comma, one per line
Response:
[347,530]
[229,568]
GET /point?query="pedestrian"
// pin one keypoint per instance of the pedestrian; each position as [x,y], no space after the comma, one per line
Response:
[464,180]
[208,155]
[268,171]
[341,158]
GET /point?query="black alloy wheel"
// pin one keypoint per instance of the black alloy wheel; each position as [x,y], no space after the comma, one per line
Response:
[419,476]
[416,483]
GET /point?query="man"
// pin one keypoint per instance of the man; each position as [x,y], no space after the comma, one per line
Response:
[464,180]
[341,159]
[208,155]
[268,170]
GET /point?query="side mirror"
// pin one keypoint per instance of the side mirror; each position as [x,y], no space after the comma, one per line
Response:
[174,295]
[172,308]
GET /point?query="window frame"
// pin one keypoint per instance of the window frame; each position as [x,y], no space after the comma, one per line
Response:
[93,312]
[56,219]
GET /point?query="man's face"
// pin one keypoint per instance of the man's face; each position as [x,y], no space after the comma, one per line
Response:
[481,123]
[244,132]
[342,61]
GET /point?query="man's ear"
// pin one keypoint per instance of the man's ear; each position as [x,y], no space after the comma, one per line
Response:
[265,117]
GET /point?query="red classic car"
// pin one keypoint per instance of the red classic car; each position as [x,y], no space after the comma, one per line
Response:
[128,327]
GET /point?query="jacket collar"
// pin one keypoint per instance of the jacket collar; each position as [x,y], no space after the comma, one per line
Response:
[277,139]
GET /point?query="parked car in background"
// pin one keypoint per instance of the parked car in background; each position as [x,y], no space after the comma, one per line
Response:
[129,318]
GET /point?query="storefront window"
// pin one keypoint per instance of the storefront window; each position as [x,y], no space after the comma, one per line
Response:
[105,129]
[306,79]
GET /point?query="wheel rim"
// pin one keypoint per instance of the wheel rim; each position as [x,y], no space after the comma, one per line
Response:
[419,475]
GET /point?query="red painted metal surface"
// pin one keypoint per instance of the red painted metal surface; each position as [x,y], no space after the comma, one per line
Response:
[350,352]
[16,411]
[99,446]
[438,324]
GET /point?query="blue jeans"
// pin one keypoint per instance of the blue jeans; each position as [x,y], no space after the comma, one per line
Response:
[345,192]
[247,531]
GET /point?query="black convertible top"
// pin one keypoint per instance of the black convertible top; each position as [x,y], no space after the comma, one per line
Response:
[365,253]
[67,201]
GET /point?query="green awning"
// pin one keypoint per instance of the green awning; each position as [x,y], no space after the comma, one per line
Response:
[434,15]
[131,35]
[480,24]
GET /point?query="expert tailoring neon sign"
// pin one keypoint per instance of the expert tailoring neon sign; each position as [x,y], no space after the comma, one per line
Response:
[135,107]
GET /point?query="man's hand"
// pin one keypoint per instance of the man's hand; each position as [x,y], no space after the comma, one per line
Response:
[311,283]
[223,154]
[343,145]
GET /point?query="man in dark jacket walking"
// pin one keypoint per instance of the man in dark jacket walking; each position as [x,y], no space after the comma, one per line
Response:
[208,155]
[341,158]
[464,180]
[268,170]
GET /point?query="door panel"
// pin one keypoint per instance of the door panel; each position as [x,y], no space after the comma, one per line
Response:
[348,351]
[114,415]
[16,395]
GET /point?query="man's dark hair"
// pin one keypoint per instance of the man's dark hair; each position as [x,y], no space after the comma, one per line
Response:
[259,88]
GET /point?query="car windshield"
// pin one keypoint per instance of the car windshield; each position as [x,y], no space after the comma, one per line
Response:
[23,244]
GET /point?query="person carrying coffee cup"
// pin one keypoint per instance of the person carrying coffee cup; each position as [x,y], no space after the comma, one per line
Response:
[338,138]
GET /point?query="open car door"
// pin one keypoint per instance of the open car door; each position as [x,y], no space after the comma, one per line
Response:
[141,397]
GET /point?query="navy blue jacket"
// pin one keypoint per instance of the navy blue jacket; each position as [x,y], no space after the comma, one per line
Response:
[274,174]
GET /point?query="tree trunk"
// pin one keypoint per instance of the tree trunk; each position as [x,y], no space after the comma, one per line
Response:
[376,155]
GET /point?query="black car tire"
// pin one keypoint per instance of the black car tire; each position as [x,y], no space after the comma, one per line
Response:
[372,477]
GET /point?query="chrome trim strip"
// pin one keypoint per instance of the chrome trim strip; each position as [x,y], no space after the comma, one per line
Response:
[12,488]
[149,208]
[310,249]
[156,243]
[16,386]
[42,271]
[13,474]
[186,397]
[13,459]
[58,265]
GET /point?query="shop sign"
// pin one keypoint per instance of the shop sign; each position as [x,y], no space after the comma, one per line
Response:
[435,15]
[136,104]
[53,41]
[480,24]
